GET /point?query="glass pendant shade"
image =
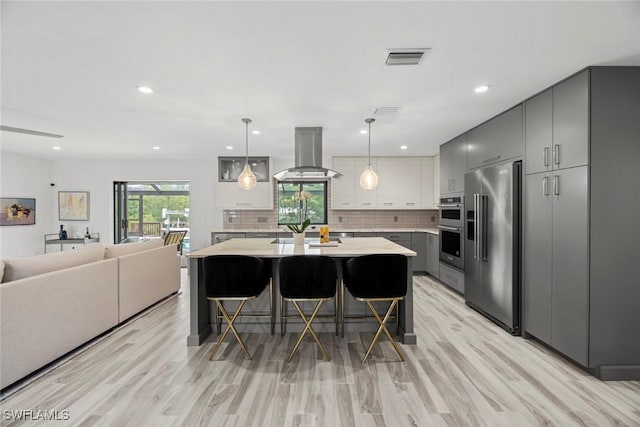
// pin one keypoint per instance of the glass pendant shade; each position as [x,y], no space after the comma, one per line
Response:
[369,179]
[247,179]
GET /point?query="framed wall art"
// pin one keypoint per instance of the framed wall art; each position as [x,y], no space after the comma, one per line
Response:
[17,211]
[73,205]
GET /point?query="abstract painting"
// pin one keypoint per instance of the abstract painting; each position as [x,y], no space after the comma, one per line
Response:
[73,205]
[17,211]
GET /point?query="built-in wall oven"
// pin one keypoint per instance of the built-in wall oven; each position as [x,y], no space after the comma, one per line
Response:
[452,231]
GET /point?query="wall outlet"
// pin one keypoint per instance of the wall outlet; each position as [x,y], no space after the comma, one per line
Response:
[339,219]
[395,219]
[262,219]
[433,218]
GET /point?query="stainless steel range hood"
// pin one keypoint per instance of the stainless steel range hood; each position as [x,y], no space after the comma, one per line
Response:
[308,158]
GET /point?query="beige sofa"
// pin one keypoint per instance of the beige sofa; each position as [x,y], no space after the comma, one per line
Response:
[51,304]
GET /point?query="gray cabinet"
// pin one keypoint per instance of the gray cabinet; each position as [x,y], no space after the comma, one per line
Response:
[452,277]
[497,140]
[557,126]
[453,165]
[579,238]
[556,262]
[538,132]
[571,122]
[433,254]
[570,288]
[419,246]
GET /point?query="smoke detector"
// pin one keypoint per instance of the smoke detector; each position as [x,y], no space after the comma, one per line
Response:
[411,56]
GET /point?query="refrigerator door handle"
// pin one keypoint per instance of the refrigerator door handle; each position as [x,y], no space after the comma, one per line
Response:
[482,247]
[545,156]
[475,226]
[545,186]
[556,185]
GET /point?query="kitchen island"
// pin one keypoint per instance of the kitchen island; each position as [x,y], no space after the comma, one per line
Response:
[203,316]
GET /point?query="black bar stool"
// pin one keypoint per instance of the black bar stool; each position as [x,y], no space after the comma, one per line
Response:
[372,278]
[308,278]
[236,278]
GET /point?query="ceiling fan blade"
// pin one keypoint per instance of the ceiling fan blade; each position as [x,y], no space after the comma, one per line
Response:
[29,132]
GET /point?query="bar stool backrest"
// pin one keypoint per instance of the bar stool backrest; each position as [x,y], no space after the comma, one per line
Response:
[308,276]
[376,276]
[235,276]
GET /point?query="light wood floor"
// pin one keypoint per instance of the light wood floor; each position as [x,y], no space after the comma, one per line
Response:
[464,372]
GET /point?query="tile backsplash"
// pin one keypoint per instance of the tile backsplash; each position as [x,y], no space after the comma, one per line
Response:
[356,219]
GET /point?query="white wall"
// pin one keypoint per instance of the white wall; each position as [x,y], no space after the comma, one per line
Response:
[97,177]
[27,177]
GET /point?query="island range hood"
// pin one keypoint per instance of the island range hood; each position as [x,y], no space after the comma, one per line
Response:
[308,158]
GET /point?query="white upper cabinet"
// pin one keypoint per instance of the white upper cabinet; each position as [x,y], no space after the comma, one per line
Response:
[343,190]
[365,199]
[428,200]
[404,183]
[399,185]
[230,196]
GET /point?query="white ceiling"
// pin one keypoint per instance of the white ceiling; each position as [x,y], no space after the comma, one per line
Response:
[72,68]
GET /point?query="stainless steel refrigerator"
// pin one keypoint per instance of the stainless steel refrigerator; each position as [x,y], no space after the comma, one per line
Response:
[492,243]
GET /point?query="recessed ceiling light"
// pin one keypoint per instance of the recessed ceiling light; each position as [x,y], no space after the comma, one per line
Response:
[481,89]
[55,147]
[255,132]
[363,131]
[229,147]
[145,89]
[403,147]
[155,147]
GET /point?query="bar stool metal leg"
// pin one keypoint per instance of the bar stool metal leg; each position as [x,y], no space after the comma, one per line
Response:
[383,328]
[309,328]
[230,326]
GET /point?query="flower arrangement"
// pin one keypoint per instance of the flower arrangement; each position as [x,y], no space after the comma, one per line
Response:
[303,197]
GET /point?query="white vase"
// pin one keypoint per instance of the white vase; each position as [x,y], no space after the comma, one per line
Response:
[298,238]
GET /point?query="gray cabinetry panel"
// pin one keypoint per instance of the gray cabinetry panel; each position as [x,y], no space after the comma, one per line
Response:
[453,165]
[569,307]
[537,256]
[452,277]
[433,252]
[571,122]
[615,245]
[538,134]
[419,246]
[497,140]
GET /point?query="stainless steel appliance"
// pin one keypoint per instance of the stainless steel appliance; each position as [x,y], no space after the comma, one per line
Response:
[452,245]
[452,231]
[492,243]
[451,211]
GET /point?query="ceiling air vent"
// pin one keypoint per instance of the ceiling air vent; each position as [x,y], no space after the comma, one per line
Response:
[405,56]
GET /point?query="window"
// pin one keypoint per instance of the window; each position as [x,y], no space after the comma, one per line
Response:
[290,208]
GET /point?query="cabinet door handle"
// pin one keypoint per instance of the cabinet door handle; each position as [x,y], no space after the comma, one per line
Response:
[556,185]
[366,203]
[545,186]
[388,203]
[450,184]
[556,154]
[545,156]
[493,159]
[345,203]
[410,203]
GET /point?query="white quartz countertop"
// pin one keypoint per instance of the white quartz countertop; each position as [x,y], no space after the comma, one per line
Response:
[263,248]
[336,230]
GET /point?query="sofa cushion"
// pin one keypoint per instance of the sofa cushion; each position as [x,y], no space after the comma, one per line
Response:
[114,251]
[19,268]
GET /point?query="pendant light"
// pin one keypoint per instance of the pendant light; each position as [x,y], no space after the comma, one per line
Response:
[247,180]
[369,179]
